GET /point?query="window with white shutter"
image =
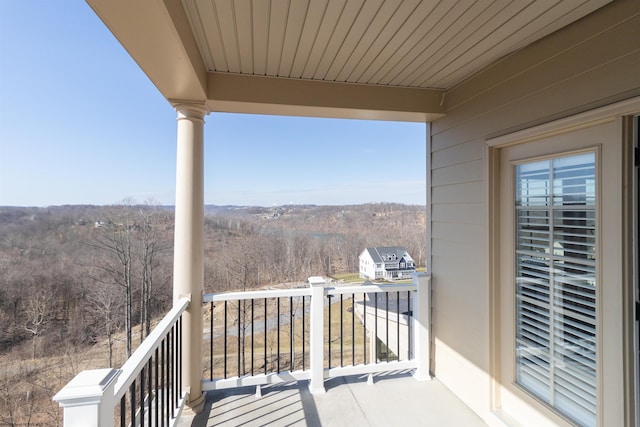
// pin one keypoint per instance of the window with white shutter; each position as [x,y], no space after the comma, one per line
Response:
[555,283]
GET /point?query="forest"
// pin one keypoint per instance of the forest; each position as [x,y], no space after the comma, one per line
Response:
[81,286]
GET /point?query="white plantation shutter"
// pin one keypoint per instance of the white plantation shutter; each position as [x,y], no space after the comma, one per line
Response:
[556,283]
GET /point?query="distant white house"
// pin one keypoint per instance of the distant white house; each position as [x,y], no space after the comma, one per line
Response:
[386,262]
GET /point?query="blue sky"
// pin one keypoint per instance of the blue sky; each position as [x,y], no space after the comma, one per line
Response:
[81,124]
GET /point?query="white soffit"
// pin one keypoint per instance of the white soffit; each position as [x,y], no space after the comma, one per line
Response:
[411,43]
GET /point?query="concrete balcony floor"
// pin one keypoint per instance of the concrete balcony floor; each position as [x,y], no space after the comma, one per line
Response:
[396,399]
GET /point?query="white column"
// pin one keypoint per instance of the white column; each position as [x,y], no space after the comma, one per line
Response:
[87,400]
[188,261]
[316,335]
[422,326]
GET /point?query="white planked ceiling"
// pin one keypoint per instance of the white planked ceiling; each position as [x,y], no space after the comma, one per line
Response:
[407,43]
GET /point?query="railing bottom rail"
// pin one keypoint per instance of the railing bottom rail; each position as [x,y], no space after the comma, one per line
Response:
[255,380]
[288,376]
[373,368]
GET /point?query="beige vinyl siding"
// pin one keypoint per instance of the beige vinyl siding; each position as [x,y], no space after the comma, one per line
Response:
[456,154]
[458,193]
[456,213]
[458,173]
[592,63]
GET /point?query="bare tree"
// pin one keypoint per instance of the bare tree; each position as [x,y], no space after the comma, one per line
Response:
[115,241]
[37,315]
[107,304]
[147,255]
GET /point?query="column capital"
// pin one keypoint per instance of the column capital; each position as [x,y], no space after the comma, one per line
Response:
[190,110]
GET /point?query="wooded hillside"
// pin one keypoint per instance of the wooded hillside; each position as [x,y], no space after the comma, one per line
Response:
[73,278]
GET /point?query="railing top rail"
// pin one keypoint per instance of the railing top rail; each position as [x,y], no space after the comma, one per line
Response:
[298,292]
[269,293]
[139,358]
[359,289]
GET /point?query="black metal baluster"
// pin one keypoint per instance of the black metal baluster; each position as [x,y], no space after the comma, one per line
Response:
[142,381]
[225,338]
[157,389]
[132,397]
[176,367]
[290,333]
[123,411]
[265,336]
[162,379]
[239,336]
[375,326]
[149,388]
[149,392]
[170,373]
[409,322]
[387,327]
[211,343]
[252,320]
[329,330]
[179,359]
[364,332]
[172,360]
[303,340]
[278,340]
[341,334]
[353,330]
[398,325]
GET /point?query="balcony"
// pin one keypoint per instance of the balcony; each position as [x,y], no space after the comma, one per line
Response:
[318,355]
[395,398]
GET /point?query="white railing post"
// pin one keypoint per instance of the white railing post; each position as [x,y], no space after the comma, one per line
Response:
[88,400]
[316,335]
[422,326]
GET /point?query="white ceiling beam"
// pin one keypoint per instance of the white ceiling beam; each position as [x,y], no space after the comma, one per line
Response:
[299,97]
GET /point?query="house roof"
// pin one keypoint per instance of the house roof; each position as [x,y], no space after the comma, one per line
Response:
[388,253]
[376,59]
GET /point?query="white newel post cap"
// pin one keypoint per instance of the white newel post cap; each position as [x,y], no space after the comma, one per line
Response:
[317,281]
[88,399]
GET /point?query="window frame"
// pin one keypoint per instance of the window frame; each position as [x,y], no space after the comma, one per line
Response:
[552,140]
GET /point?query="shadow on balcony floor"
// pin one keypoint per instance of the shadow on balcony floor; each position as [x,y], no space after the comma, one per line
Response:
[394,399]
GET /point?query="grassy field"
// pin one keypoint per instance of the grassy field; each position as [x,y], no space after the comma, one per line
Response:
[347,277]
[355,277]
